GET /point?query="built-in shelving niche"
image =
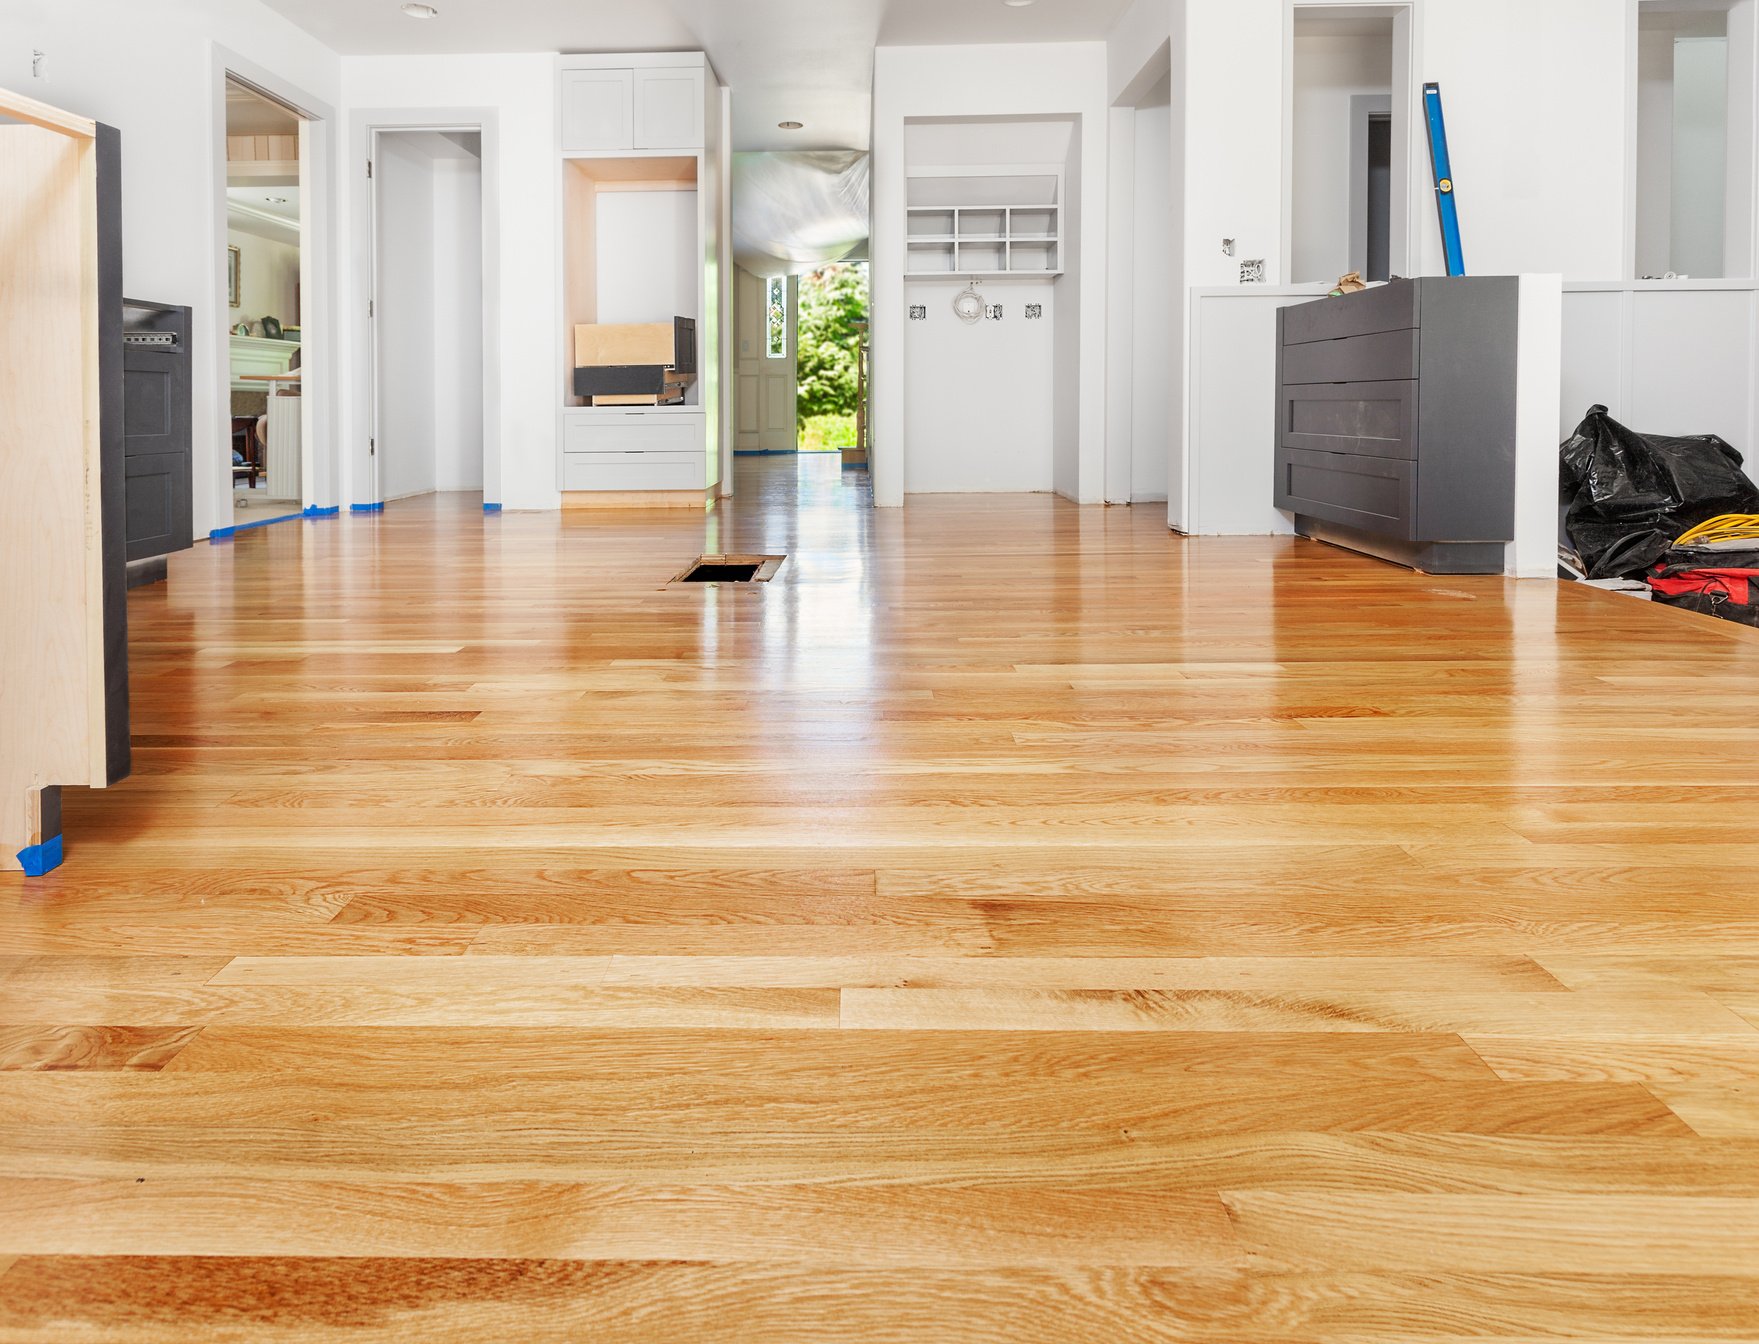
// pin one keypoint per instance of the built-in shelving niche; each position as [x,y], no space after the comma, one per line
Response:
[653,279]
[976,223]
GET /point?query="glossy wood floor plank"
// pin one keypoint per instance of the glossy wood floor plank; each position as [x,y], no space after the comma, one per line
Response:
[1013,922]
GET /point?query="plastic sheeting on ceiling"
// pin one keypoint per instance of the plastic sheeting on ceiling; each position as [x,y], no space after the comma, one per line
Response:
[795,211]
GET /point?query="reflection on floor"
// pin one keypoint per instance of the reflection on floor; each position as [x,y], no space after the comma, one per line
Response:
[1014,922]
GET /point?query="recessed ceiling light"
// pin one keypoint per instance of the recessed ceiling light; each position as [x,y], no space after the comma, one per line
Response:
[1016,4]
[416,11]
[790,125]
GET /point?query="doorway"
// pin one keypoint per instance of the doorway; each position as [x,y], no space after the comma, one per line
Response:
[801,381]
[1144,293]
[1347,142]
[428,431]
[1693,124]
[267,264]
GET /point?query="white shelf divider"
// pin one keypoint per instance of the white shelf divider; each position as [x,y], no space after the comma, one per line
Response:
[998,224]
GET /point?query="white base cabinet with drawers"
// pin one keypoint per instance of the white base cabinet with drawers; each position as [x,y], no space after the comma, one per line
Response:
[646,452]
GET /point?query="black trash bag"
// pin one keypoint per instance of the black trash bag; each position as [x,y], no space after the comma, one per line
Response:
[1630,495]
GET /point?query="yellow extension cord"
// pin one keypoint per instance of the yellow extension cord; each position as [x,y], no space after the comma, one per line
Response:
[1727,527]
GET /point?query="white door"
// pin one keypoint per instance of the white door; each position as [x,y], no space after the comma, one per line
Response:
[765,397]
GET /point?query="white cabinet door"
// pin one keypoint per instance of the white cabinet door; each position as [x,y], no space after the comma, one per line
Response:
[668,109]
[598,109]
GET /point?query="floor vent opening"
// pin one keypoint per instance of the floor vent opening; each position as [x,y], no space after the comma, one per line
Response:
[732,569]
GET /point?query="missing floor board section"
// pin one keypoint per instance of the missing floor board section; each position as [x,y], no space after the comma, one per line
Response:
[731,569]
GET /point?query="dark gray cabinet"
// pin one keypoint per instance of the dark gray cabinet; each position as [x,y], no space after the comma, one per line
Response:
[156,383]
[1396,421]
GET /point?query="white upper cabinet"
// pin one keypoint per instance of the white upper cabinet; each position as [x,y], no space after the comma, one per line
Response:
[648,107]
[668,109]
[598,109]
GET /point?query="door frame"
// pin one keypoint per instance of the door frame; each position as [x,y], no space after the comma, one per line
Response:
[1365,109]
[1410,143]
[319,331]
[361,485]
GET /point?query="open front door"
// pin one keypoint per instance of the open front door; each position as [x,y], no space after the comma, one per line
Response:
[767,314]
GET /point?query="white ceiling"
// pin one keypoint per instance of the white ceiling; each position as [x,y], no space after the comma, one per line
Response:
[281,202]
[267,212]
[785,60]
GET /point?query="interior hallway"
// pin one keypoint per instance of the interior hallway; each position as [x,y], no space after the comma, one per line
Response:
[1013,923]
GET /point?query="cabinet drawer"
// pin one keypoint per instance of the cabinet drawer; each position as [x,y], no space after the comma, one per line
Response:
[1385,308]
[634,471]
[598,109]
[637,433]
[1375,494]
[1378,419]
[1379,357]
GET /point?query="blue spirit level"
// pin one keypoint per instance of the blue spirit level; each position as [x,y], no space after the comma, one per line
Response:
[1445,204]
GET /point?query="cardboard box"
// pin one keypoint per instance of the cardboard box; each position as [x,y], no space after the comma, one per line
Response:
[601,345]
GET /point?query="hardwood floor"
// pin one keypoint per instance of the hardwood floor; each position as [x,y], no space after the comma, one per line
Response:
[1012,923]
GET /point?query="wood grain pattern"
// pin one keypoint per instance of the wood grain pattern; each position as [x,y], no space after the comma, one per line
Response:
[1013,922]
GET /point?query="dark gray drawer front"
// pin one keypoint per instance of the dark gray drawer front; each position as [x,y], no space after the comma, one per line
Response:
[1376,494]
[1383,356]
[1379,419]
[1391,307]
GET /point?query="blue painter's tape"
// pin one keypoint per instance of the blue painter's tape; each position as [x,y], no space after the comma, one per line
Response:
[41,859]
[491,508]
[367,508]
[313,511]
[224,533]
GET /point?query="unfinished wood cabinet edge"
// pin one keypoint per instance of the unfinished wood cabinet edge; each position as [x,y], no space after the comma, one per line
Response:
[573,500]
[30,111]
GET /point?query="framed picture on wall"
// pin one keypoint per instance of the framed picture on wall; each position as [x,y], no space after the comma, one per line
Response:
[234,270]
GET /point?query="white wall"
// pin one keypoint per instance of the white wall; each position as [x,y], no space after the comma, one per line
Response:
[149,71]
[980,411]
[1329,72]
[1021,81]
[647,257]
[1667,357]
[268,279]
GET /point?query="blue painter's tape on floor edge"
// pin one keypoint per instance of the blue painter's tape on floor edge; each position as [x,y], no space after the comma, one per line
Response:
[41,859]
[491,508]
[225,533]
[313,511]
[367,508]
